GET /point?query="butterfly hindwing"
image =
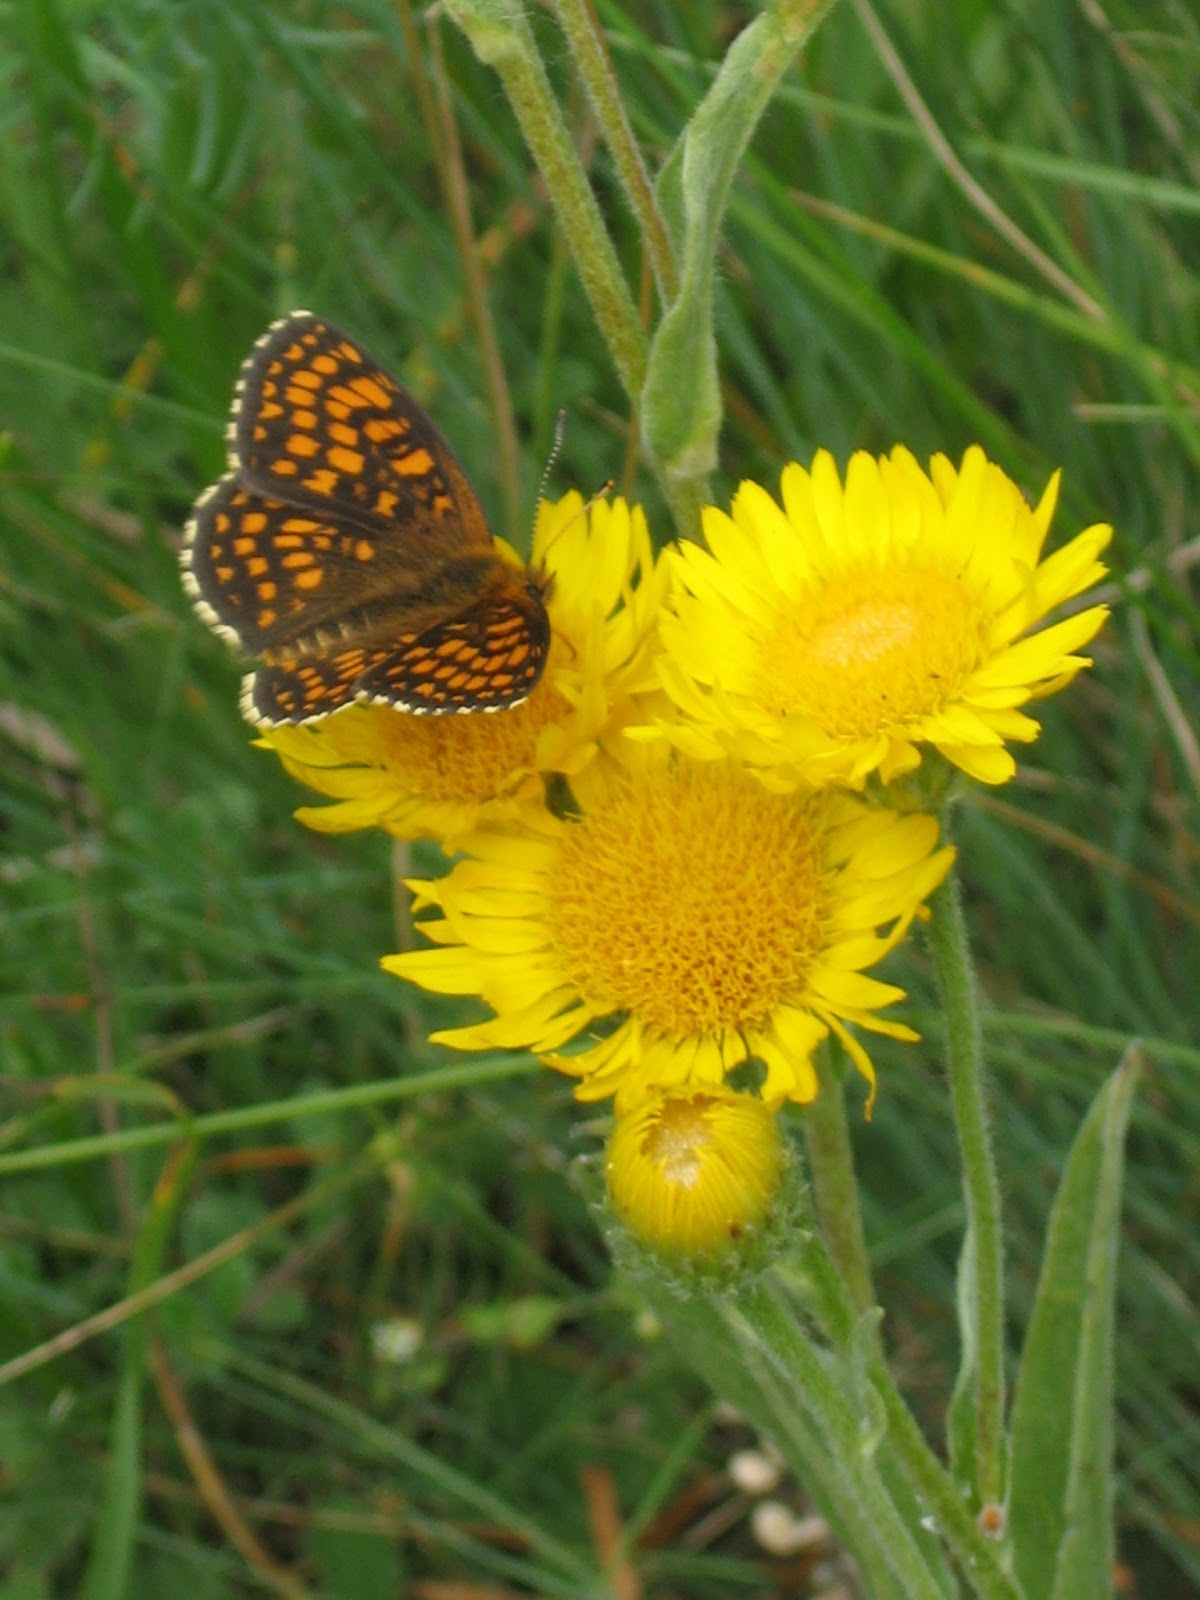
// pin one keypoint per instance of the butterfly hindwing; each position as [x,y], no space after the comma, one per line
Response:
[347,549]
[486,658]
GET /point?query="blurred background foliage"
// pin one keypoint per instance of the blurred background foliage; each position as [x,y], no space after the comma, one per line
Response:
[409,1366]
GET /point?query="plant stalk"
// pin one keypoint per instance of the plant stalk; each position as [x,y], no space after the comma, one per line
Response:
[985,1304]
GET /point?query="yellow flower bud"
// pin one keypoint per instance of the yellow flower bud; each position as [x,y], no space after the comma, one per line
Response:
[695,1173]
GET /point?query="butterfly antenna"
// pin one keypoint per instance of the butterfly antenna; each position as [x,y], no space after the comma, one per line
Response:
[560,430]
[605,489]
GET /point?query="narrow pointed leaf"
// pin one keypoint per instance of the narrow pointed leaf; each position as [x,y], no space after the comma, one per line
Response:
[1060,1505]
[681,401]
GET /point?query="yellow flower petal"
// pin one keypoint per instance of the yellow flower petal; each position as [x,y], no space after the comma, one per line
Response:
[708,920]
[439,777]
[835,635]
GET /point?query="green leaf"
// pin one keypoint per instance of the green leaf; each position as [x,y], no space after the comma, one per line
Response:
[110,1560]
[1060,1504]
[681,400]
[960,1416]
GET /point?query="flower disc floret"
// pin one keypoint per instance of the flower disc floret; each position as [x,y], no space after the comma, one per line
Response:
[687,915]
[832,636]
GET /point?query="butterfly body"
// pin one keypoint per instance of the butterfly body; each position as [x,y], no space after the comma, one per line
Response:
[346,547]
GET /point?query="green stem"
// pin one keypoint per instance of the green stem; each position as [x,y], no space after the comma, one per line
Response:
[769,1397]
[687,498]
[821,1285]
[452,172]
[320,1103]
[985,1303]
[579,24]
[951,1517]
[500,35]
[831,1165]
[768,1330]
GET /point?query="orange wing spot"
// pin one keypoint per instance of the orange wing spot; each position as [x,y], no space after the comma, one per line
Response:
[323,481]
[267,617]
[306,420]
[256,566]
[341,434]
[270,409]
[518,655]
[284,467]
[349,353]
[224,574]
[296,525]
[245,547]
[303,445]
[380,429]
[297,558]
[338,409]
[325,363]
[373,392]
[416,464]
[310,578]
[385,502]
[347,461]
[222,522]
[294,351]
[287,541]
[306,378]
[364,550]
[268,590]
[347,397]
[299,399]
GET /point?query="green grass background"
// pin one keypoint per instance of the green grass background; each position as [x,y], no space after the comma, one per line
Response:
[171,177]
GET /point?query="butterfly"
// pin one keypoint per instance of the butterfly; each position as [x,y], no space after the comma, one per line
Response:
[346,548]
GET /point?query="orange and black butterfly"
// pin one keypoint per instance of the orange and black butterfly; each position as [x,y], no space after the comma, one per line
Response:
[346,548]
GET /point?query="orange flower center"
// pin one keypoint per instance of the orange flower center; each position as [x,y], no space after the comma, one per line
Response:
[466,758]
[695,900]
[880,649]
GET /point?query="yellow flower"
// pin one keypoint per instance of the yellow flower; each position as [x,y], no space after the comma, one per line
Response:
[695,1174]
[828,638]
[689,916]
[440,776]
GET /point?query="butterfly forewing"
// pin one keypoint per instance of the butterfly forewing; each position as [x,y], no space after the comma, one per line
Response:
[265,572]
[347,548]
[319,423]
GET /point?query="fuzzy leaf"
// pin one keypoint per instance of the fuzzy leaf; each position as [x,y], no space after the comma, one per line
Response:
[681,400]
[1060,1504]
